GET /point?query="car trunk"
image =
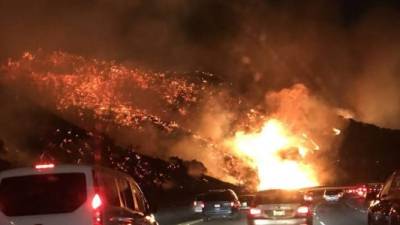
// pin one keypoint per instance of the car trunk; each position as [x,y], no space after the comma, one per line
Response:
[279,211]
[217,207]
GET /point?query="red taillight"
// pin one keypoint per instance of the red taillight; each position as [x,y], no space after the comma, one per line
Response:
[308,198]
[96,201]
[255,211]
[44,166]
[96,206]
[198,203]
[303,210]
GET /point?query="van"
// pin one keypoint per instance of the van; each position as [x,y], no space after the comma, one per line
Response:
[72,195]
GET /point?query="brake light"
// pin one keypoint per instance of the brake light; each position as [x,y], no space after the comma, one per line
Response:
[198,203]
[255,211]
[232,204]
[96,206]
[96,201]
[303,210]
[44,166]
[308,198]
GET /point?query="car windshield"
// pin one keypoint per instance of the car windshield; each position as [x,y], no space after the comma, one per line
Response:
[246,198]
[42,194]
[219,196]
[229,98]
[333,192]
[277,197]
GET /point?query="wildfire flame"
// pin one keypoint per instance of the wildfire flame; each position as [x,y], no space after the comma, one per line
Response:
[103,91]
[278,155]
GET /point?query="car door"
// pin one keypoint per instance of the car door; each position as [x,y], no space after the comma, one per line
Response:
[394,200]
[142,206]
[380,208]
[129,213]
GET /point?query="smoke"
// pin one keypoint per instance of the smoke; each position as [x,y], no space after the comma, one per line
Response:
[300,62]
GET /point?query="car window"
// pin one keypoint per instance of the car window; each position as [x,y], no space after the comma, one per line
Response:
[126,193]
[219,196]
[277,196]
[332,192]
[246,198]
[42,194]
[386,187]
[395,185]
[139,198]
[109,188]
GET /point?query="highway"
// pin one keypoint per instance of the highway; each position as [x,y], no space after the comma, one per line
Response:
[341,213]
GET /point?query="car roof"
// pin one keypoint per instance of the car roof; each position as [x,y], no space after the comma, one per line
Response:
[276,190]
[62,168]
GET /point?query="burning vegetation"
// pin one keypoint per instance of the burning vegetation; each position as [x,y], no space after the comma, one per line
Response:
[274,144]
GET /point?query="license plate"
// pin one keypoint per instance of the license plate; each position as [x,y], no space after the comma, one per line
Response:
[279,213]
[217,206]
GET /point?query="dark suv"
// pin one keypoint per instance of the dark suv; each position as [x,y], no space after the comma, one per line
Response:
[220,204]
[385,207]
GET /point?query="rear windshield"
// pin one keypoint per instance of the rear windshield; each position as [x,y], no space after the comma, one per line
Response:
[246,198]
[332,192]
[278,197]
[199,198]
[219,196]
[42,194]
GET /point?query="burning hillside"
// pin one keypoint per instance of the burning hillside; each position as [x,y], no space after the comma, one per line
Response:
[167,115]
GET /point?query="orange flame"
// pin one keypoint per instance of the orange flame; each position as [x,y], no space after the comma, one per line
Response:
[277,155]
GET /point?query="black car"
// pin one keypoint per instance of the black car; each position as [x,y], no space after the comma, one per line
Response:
[221,204]
[280,207]
[385,207]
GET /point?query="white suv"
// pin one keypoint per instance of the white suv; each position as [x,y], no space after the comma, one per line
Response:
[72,195]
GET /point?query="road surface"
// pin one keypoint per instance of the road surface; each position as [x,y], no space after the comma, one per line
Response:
[340,213]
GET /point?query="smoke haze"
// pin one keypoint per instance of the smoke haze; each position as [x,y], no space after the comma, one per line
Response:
[334,55]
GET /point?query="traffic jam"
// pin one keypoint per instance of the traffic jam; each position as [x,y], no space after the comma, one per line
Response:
[184,112]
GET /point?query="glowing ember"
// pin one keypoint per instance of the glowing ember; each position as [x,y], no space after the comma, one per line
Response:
[278,155]
[336,131]
[110,91]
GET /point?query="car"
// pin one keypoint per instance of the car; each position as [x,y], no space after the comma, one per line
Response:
[220,204]
[384,208]
[245,201]
[4,220]
[72,195]
[333,195]
[280,207]
[308,196]
[198,203]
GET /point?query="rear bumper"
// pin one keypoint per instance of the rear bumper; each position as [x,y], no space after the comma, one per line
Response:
[297,221]
[220,214]
[198,209]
